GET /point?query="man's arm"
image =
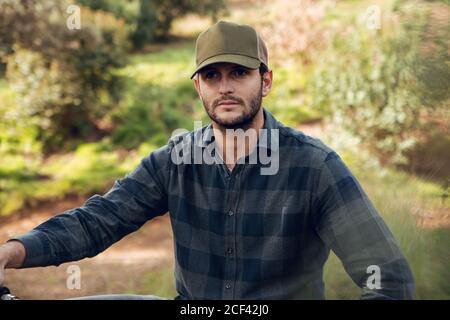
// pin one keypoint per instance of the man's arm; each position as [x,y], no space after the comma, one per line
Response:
[102,220]
[350,225]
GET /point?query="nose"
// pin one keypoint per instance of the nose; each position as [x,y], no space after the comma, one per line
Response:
[225,86]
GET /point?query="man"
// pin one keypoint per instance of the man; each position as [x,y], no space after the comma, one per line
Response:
[239,232]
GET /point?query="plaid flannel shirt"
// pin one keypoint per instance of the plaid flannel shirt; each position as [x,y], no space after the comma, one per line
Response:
[240,234]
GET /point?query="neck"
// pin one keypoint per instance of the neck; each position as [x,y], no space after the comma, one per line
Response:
[234,144]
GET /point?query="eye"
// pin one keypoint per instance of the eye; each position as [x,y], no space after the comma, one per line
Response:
[240,72]
[211,74]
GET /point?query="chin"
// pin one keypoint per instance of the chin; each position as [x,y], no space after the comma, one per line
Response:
[230,118]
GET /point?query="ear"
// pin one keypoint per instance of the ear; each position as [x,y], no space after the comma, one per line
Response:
[267,83]
[197,86]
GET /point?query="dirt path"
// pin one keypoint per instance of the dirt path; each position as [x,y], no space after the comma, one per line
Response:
[116,270]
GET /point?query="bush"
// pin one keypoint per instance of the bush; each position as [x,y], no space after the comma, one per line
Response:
[166,11]
[153,114]
[126,10]
[381,84]
[293,29]
[151,20]
[146,24]
[64,78]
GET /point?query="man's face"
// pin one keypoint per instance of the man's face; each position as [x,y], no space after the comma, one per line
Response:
[232,94]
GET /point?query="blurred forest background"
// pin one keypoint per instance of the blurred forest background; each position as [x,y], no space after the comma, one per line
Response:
[79,108]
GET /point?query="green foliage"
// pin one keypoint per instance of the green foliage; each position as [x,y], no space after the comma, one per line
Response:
[97,58]
[379,84]
[90,169]
[155,17]
[288,100]
[146,24]
[126,10]
[160,282]
[140,121]
[151,20]
[158,100]
[401,200]
[63,78]
[153,115]
[168,10]
[17,135]
[365,76]
[158,97]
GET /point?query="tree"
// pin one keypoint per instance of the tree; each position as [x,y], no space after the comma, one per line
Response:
[156,16]
[146,24]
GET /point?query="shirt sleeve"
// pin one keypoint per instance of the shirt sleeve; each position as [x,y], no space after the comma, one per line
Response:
[102,220]
[349,224]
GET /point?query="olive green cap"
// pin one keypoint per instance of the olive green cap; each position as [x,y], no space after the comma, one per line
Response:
[230,42]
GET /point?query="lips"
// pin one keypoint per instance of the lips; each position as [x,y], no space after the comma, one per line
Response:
[227,103]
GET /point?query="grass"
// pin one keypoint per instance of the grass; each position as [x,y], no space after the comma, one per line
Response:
[399,198]
[86,171]
[160,283]
[166,67]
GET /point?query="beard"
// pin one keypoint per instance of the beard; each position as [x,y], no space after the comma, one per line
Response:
[242,120]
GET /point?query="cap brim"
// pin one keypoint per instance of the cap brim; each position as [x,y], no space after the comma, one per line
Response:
[245,61]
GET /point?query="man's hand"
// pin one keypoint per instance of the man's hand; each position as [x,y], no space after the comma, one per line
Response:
[12,255]
[2,275]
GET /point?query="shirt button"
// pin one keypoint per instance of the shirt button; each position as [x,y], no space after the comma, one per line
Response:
[230,213]
[228,286]
[230,251]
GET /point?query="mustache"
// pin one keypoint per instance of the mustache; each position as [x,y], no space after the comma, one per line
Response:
[234,99]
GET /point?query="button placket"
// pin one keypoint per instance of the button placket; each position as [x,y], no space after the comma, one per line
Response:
[230,240]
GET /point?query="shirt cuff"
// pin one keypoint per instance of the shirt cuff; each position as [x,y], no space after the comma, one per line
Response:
[37,249]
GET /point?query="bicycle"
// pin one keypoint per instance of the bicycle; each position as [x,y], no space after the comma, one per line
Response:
[5,294]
